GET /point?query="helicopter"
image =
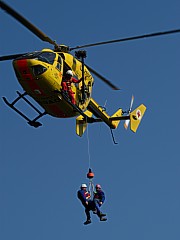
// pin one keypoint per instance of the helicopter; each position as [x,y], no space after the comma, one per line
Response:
[41,73]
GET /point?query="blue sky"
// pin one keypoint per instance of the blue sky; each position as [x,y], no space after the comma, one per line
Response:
[42,169]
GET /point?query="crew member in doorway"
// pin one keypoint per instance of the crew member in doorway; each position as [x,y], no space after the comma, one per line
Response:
[67,81]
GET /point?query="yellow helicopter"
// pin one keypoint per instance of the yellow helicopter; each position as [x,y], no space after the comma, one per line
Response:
[41,74]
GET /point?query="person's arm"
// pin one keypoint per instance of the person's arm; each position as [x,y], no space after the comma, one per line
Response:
[82,197]
[74,80]
[102,198]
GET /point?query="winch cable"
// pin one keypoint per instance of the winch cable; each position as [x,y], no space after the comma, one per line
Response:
[90,174]
[89,156]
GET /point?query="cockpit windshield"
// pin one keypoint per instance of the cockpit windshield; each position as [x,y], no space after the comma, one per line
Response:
[47,57]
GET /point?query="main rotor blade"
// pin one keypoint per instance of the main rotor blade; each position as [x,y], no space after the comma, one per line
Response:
[156,34]
[26,23]
[11,57]
[102,78]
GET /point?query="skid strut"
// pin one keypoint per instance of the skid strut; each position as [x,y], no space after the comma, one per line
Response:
[32,122]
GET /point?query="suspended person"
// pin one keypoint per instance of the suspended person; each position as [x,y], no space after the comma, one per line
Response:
[98,199]
[67,81]
[85,198]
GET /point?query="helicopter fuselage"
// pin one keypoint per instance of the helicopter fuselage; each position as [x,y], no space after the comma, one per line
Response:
[41,73]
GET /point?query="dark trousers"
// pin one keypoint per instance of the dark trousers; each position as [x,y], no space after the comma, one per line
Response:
[88,208]
[97,206]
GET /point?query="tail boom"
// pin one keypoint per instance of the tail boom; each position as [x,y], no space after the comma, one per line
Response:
[100,112]
[113,121]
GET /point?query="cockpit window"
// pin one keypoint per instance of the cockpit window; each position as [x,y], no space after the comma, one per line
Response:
[47,57]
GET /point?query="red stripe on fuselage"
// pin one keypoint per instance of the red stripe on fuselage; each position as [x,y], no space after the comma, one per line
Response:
[27,76]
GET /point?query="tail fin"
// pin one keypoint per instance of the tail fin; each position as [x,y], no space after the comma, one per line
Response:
[81,123]
[136,116]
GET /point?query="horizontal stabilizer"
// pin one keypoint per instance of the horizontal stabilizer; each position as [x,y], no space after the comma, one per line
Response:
[117,114]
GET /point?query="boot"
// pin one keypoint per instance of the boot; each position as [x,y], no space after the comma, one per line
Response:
[102,214]
[88,221]
[103,219]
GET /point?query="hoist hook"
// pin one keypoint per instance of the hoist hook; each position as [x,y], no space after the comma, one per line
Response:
[90,174]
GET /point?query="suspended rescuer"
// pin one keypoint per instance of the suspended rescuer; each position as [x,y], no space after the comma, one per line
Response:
[89,204]
[84,197]
[67,81]
[98,199]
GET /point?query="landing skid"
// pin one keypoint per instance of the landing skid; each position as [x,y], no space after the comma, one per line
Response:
[32,122]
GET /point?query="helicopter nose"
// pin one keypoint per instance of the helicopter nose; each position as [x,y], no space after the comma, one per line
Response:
[22,69]
[27,75]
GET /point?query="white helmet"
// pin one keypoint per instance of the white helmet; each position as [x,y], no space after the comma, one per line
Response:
[69,72]
[83,185]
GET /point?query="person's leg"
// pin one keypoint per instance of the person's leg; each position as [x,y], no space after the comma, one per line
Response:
[97,206]
[71,96]
[99,213]
[88,216]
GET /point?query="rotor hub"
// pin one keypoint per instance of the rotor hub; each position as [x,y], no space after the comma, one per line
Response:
[62,48]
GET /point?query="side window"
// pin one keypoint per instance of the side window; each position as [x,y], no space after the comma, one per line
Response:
[58,66]
[59,62]
[59,59]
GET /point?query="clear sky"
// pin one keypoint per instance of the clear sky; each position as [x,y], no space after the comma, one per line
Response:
[42,169]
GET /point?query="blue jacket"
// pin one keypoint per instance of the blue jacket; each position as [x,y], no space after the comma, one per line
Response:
[99,195]
[83,196]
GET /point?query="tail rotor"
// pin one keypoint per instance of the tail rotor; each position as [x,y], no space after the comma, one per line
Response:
[126,123]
